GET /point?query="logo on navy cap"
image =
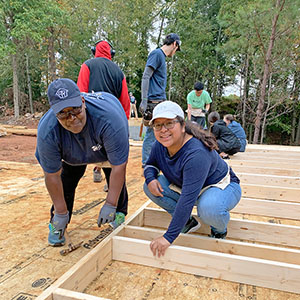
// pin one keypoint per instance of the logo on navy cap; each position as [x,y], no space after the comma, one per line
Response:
[62,93]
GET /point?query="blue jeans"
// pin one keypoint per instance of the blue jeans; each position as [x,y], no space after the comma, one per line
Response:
[149,139]
[213,205]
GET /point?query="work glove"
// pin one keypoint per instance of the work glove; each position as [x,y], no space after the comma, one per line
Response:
[143,106]
[107,214]
[204,111]
[60,221]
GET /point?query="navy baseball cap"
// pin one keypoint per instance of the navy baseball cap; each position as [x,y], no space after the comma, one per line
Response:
[63,93]
[175,37]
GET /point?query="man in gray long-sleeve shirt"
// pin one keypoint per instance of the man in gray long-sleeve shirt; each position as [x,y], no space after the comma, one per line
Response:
[154,84]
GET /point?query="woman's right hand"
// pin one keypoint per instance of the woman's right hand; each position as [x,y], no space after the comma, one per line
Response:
[155,188]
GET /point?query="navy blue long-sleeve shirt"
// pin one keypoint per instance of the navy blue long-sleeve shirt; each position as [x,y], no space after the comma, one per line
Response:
[192,168]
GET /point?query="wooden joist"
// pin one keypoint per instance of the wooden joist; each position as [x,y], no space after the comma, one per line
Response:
[63,294]
[270,180]
[268,208]
[290,194]
[265,170]
[248,270]
[246,230]
[291,165]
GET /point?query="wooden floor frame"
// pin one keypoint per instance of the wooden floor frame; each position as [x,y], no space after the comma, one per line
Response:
[256,253]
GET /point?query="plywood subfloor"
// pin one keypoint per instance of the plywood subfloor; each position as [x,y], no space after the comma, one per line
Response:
[29,265]
[152,283]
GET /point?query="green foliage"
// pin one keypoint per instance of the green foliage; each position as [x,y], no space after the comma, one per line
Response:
[218,38]
[227,105]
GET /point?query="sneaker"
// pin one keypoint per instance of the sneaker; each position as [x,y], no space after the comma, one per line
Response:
[53,237]
[192,225]
[97,174]
[120,218]
[216,235]
[105,189]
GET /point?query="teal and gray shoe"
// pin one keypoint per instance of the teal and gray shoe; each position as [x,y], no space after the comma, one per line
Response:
[120,218]
[53,237]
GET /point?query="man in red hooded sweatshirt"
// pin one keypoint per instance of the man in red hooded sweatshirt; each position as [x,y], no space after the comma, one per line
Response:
[100,74]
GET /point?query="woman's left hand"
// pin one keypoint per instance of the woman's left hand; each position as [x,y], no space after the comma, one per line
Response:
[159,246]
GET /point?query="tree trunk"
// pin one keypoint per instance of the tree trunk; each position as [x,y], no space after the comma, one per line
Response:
[262,135]
[216,76]
[51,53]
[170,80]
[295,96]
[161,27]
[267,66]
[15,86]
[29,85]
[297,140]
[245,90]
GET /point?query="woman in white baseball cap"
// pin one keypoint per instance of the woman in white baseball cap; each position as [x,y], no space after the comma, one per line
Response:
[192,173]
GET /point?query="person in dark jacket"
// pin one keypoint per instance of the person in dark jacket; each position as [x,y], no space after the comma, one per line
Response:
[237,129]
[228,143]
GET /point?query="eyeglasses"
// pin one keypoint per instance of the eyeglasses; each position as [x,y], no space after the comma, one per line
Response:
[62,115]
[167,125]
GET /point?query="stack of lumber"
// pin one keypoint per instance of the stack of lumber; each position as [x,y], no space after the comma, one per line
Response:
[262,248]
[19,130]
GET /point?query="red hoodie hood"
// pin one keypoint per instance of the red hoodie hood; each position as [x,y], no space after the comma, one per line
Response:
[103,50]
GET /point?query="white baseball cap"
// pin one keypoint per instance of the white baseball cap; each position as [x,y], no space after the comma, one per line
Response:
[168,110]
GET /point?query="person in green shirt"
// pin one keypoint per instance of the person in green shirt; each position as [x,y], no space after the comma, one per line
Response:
[198,102]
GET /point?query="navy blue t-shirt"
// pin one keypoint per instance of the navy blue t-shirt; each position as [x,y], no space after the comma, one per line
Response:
[192,168]
[104,136]
[158,81]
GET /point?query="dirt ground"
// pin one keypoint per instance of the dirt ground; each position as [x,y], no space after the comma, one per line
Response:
[18,148]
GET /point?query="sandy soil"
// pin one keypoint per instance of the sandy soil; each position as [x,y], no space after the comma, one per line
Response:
[18,148]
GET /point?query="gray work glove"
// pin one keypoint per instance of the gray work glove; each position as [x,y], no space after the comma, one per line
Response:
[143,106]
[107,214]
[60,221]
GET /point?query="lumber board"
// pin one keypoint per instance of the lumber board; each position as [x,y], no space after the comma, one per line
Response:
[269,156]
[31,132]
[13,126]
[63,294]
[272,148]
[265,170]
[137,218]
[263,163]
[281,157]
[290,194]
[85,270]
[276,253]
[268,208]
[246,230]
[270,180]
[261,272]
[89,266]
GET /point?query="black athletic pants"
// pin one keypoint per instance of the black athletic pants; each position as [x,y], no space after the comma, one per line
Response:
[70,177]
